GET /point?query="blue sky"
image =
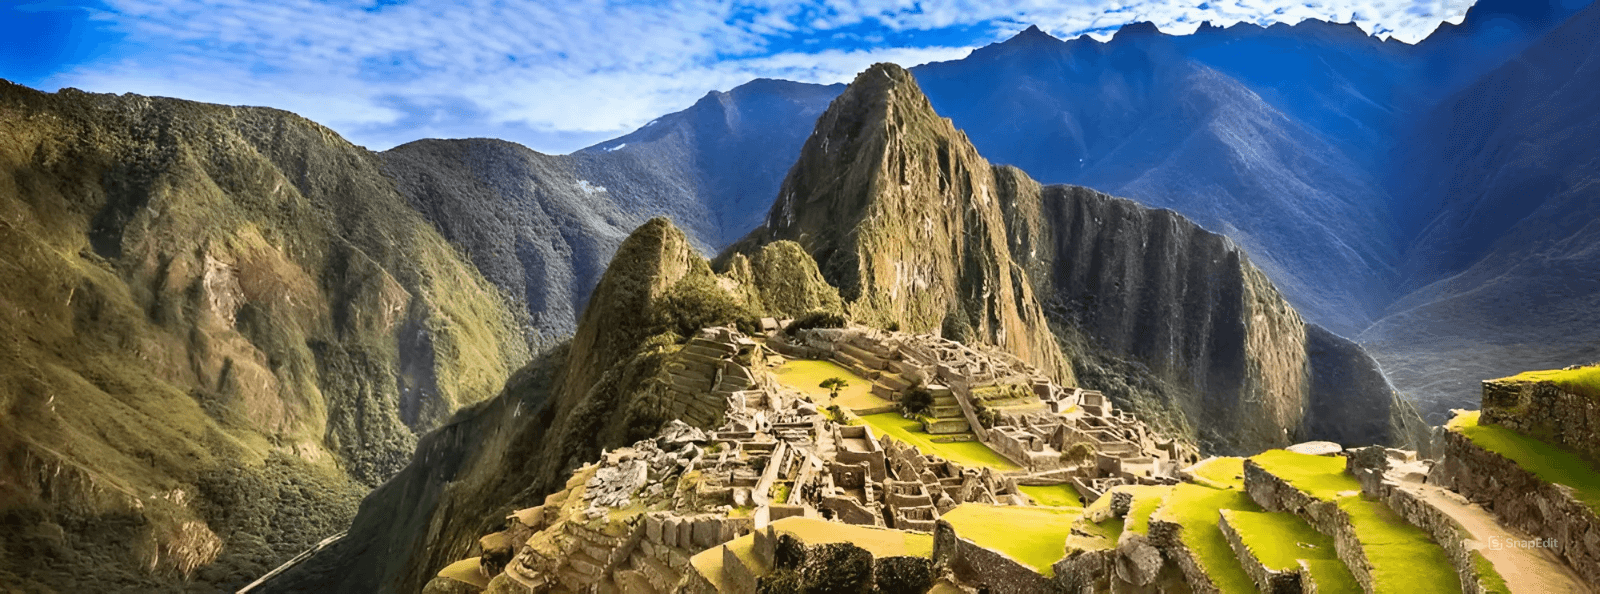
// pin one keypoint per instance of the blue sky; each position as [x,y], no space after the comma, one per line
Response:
[553,75]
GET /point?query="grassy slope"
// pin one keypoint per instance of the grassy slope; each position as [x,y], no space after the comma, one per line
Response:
[1403,557]
[1221,473]
[206,307]
[1550,463]
[805,375]
[1146,500]
[881,542]
[967,453]
[1053,495]
[1197,509]
[1034,536]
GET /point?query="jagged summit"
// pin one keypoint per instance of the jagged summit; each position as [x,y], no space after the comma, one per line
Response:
[902,214]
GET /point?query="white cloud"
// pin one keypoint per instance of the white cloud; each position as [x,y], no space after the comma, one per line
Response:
[562,74]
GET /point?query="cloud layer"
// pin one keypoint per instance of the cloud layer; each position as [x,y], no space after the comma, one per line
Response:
[559,75]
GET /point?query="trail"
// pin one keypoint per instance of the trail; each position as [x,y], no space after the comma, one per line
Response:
[1526,570]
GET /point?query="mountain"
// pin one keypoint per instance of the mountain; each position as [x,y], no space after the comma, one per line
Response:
[1251,372]
[542,227]
[601,389]
[916,229]
[224,326]
[901,215]
[1504,275]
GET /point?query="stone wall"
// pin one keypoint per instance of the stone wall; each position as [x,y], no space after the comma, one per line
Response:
[1268,580]
[1521,500]
[1086,571]
[985,569]
[1273,494]
[1165,535]
[1544,411]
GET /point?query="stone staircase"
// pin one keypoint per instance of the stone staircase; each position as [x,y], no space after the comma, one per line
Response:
[945,417]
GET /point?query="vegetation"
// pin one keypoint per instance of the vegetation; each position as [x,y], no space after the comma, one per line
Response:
[696,302]
[1222,473]
[1062,495]
[1488,578]
[806,376]
[1322,477]
[1403,557]
[916,401]
[1079,454]
[1550,463]
[1581,380]
[967,453]
[1034,536]
[881,542]
[1281,540]
[815,319]
[1146,500]
[833,385]
[1197,508]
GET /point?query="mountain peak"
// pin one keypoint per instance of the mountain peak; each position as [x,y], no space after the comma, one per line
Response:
[1137,30]
[903,216]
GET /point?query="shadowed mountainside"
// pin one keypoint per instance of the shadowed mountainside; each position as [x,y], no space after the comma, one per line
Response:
[1505,274]
[223,326]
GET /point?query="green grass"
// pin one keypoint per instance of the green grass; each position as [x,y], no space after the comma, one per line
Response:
[1034,536]
[1583,381]
[1146,500]
[881,542]
[1322,477]
[1062,495]
[1403,557]
[1491,580]
[1198,509]
[1550,463]
[805,375]
[1281,540]
[966,453]
[1222,473]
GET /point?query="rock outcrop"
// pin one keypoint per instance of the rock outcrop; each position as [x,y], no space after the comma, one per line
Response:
[223,326]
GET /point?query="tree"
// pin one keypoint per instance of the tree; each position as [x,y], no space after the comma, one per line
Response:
[834,384]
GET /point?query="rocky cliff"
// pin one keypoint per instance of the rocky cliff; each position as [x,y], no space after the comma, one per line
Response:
[222,326]
[605,388]
[902,215]
[1177,324]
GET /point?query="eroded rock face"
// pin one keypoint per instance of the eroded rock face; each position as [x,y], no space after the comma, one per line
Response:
[235,326]
[1177,324]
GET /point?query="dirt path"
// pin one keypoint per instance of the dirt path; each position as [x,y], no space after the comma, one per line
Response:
[1526,570]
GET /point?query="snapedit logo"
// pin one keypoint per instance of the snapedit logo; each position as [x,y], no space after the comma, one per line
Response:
[1500,543]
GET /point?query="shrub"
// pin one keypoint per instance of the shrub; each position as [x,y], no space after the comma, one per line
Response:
[892,326]
[815,319]
[917,400]
[1078,454]
[697,302]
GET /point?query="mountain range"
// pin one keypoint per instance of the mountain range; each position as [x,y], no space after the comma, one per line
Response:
[231,324]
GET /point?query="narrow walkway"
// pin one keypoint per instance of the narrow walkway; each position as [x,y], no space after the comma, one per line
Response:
[1526,570]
